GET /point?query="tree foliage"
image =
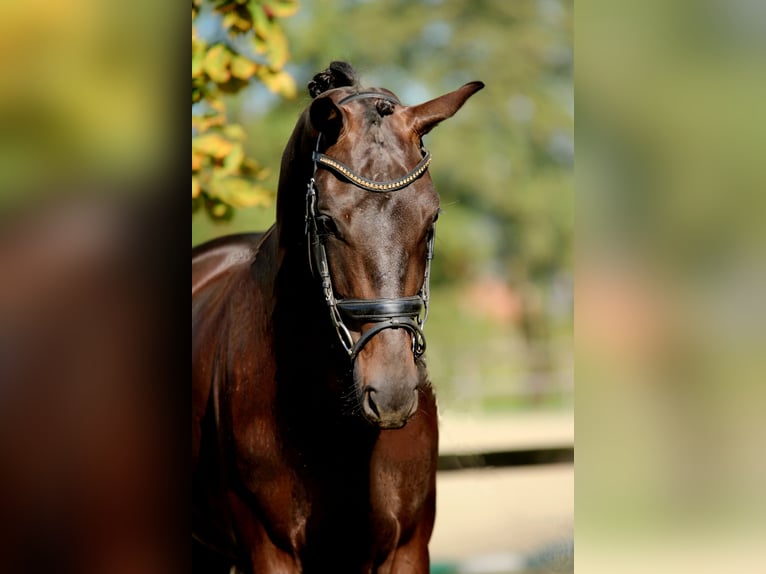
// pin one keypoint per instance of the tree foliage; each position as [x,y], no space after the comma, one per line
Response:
[252,48]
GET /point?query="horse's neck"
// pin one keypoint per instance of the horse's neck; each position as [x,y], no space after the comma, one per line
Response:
[298,297]
[305,339]
[295,172]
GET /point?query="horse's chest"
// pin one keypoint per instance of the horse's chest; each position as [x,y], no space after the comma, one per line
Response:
[315,506]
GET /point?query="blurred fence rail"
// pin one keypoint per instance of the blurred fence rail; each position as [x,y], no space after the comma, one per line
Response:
[507,458]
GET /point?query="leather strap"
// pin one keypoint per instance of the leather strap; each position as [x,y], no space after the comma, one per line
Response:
[418,339]
[370,184]
[375,310]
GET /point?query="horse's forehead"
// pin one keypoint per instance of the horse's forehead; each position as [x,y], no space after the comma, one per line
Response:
[404,208]
[369,133]
[386,139]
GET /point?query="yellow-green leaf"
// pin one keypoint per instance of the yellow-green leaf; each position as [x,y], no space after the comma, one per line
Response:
[280,83]
[277,50]
[198,59]
[218,105]
[212,144]
[206,121]
[239,192]
[262,26]
[237,21]
[234,132]
[259,45]
[217,62]
[282,8]
[242,68]
[229,20]
[196,161]
[219,210]
[195,188]
[233,160]
[196,94]
[199,50]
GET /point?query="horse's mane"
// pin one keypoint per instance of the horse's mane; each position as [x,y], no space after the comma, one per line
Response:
[337,75]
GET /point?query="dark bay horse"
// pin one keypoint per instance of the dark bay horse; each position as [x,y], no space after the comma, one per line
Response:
[314,425]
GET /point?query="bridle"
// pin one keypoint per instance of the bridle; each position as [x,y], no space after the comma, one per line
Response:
[409,313]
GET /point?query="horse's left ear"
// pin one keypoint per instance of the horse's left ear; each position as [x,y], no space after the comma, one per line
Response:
[326,117]
[427,116]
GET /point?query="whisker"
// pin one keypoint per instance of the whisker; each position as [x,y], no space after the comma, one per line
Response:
[350,401]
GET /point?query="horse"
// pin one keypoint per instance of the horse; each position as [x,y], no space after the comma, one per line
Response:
[314,423]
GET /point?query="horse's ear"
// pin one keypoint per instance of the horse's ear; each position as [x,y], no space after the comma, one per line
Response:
[326,117]
[427,116]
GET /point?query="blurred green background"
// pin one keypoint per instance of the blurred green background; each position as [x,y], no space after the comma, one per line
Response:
[500,329]
[670,321]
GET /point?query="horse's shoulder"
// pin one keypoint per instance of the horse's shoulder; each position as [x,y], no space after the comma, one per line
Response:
[225,291]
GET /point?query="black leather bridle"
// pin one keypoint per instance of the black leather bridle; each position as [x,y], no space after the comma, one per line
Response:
[409,313]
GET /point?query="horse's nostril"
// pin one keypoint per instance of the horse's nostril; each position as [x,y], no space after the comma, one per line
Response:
[371,403]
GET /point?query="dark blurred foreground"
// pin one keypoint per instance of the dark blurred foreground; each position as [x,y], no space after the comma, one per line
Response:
[86,376]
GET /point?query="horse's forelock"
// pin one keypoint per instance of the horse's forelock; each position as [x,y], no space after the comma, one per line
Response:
[337,75]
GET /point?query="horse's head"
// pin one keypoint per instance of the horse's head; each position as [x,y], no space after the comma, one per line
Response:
[371,224]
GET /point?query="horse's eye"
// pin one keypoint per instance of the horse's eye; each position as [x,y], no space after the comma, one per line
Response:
[326,225]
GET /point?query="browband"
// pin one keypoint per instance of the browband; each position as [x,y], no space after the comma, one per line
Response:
[369,184]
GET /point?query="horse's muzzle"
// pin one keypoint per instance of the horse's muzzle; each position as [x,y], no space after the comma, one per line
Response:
[379,408]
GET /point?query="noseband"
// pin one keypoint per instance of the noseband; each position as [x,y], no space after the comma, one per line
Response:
[409,313]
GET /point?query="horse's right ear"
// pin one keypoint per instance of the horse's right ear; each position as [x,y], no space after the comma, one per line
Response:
[425,117]
[326,117]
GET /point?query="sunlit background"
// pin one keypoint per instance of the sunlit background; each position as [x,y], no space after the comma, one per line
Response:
[83,98]
[500,329]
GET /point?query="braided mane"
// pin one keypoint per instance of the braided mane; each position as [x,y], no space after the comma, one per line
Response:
[337,75]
